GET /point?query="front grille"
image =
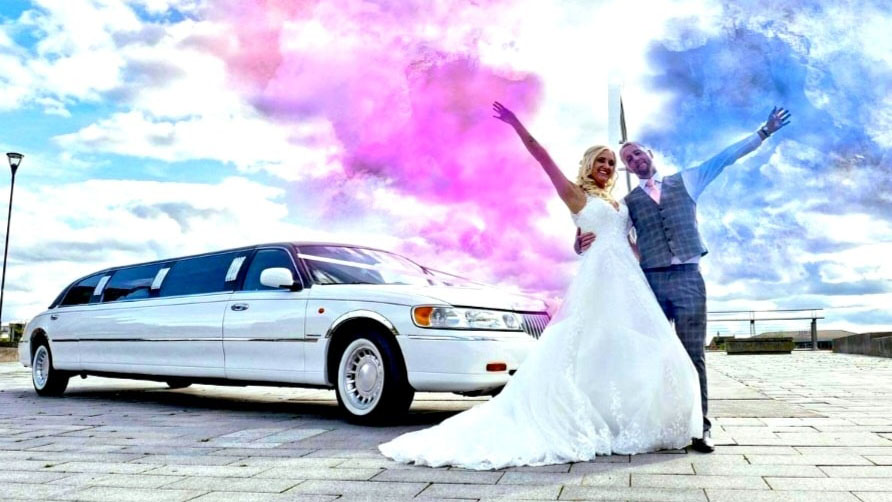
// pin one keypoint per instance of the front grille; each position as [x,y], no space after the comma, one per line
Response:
[534,324]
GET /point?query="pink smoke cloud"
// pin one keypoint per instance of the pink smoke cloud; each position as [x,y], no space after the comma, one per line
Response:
[408,99]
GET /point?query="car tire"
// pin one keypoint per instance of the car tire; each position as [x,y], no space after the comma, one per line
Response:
[372,386]
[47,380]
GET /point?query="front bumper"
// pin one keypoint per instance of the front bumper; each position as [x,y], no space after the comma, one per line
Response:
[450,362]
[25,352]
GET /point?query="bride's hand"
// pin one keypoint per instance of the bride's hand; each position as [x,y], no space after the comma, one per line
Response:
[504,114]
[583,240]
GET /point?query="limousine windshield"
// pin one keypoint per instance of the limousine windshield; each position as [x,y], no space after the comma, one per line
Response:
[349,265]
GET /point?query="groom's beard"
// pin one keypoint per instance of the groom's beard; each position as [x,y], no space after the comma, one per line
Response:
[643,169]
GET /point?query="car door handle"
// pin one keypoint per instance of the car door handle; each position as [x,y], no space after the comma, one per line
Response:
[53,317]
[238,307]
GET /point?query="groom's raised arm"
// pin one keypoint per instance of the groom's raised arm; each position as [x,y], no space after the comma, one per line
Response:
[697,178]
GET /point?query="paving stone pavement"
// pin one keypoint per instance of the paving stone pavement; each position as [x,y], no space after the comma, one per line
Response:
[810,426]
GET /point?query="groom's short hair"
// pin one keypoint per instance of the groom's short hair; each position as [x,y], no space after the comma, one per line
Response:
[631,143]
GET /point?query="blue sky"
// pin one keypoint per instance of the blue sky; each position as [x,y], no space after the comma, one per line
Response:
[140,144]
[805,221]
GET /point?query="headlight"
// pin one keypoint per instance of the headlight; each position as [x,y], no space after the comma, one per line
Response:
[459,318]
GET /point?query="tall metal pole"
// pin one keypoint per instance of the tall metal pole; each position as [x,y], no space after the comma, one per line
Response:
[624,138]
[814,334]
[616,124]
[14,160]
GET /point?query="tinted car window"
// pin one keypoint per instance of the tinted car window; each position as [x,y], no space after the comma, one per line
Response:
[264,259]
[81,292]
[204,274]
[130,283]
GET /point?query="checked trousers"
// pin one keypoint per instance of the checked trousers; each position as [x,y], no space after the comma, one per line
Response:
[681,293]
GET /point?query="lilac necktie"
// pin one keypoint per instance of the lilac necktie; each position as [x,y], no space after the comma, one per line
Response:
[653,190]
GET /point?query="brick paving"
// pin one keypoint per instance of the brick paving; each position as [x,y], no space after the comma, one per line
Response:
[803,427]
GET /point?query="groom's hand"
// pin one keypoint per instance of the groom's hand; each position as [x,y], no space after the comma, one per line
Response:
[583,240]
[776,119]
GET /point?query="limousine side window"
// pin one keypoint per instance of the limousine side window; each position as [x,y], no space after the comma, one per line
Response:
[203,274]
[264,259]
[130,283]
[81,292]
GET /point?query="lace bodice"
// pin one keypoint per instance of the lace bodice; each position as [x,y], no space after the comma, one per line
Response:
[609,224]
[601,217]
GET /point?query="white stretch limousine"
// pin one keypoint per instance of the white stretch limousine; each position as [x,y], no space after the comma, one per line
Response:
[373,325]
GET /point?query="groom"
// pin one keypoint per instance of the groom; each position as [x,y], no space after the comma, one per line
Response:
[664,213]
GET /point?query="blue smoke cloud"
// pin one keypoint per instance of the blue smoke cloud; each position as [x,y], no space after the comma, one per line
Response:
[733,80]
[818,60]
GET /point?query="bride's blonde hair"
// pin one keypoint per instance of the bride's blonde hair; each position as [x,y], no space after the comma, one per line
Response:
[584,179]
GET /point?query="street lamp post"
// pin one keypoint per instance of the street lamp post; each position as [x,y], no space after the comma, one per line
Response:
[14,160]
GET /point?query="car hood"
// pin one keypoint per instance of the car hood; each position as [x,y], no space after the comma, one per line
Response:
[460,296]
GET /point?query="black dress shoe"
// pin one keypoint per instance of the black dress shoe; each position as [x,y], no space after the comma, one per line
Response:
[704,444]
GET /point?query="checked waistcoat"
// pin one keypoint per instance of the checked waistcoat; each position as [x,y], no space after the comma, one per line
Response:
[666,229]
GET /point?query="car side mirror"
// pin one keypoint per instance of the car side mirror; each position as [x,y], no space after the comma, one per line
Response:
[279,278]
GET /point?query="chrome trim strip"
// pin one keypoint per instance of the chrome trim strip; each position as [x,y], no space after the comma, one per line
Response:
[101,285]
[534,324]
[247,339]
[234,266]
[335,261]
[166,301]
[149,340]
[455,338]
[232,339]
[159,278]
[360,314]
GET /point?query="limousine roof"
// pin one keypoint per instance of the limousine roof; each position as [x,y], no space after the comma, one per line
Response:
[208,253]
[242,248]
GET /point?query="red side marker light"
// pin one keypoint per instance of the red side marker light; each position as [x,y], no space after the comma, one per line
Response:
[496,367]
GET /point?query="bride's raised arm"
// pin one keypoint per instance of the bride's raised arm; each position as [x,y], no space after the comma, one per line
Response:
[570,193]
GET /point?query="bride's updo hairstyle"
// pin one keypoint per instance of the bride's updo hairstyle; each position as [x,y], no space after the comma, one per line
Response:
[584,179]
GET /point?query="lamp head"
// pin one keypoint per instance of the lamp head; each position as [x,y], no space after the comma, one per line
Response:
[14,160]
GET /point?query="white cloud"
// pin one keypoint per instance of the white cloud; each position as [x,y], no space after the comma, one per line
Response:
[247,141]
[17,84]
[879,125]
[855,228]
[65,231]
[78,57]
[179,102]
[163,6]
[75,56]
[867,262]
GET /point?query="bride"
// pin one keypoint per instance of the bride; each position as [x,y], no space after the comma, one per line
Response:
[607,376]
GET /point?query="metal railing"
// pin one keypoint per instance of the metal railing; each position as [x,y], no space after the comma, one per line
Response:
[754,315]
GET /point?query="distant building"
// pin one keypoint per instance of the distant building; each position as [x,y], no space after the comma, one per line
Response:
[12,337]
[802,338]
[718,342]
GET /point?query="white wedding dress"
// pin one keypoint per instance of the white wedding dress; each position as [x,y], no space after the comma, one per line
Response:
[608,375]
